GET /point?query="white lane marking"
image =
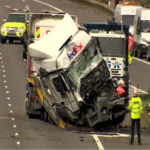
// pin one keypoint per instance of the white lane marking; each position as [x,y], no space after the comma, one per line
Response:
[12,118]
[11,111]
[1,61]
[100,146]
[47,5]
[139,89]
[2,66]
[8,98]
[9,105]
[4,81]
[0,57]
[14,126]
[3,117]
[3,70]
[141,60]
[7,6]
[6,87]
[7,92]
[4,76]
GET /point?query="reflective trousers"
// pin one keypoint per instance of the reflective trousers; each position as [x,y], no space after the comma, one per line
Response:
[129,57]
[137,121]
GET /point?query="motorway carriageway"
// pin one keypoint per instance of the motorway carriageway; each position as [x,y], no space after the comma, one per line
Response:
[17,131]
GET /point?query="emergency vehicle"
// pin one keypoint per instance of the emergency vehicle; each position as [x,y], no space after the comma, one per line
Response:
[125,13]
[141,32]
[16,26]
[113,39]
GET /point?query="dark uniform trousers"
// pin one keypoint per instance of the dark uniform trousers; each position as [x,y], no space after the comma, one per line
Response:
[137,121]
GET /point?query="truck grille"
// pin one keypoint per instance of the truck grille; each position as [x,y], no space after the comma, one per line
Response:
[95,80]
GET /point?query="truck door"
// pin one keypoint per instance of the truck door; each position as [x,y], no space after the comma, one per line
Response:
[62,93]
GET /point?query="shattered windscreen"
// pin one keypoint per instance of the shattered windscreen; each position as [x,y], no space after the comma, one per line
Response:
[87,61]
[114,47]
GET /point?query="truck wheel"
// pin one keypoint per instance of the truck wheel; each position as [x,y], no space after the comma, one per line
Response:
[139,53]
[3,41]
[30,116]
[10,41]
[45,116]
[42,115]
[148,56]
[118,120]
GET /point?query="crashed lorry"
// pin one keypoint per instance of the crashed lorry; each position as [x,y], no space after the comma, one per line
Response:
[113,38]
[72,84]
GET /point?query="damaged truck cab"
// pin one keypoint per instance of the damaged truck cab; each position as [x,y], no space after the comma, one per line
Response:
[73,81]
[113,38]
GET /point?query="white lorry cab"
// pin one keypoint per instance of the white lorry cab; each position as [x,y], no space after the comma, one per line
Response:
[125,13]
[113,41]
[141,33]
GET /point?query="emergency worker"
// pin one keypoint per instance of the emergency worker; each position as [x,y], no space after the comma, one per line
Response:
[136,108]
[120,90]
[130,45]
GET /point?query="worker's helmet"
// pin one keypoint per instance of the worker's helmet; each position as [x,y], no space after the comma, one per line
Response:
[121,82]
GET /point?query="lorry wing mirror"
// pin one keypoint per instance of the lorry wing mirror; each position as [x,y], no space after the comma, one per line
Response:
[4,20]
[24,57]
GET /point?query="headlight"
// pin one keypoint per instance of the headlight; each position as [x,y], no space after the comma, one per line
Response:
[4,28]
[21,29]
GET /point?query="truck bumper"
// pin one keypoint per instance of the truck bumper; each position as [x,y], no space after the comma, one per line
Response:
[106,111]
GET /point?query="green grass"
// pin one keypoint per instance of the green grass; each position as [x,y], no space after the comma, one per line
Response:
[145,99]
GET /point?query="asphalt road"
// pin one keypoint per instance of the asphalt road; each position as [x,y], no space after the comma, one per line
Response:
[35,134]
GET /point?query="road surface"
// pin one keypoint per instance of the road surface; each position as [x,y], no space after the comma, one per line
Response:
[19,132]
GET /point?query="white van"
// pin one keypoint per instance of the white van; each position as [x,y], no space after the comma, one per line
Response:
[141,32]
[125,13]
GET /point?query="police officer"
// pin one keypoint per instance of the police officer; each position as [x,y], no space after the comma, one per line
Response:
[136,108]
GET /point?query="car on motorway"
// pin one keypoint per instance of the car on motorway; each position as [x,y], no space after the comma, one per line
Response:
[15,26]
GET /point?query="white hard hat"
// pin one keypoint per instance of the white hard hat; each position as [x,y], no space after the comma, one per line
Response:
[121,82]
[135,92]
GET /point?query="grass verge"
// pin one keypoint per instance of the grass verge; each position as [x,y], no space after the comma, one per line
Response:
[145,99]
[94,7]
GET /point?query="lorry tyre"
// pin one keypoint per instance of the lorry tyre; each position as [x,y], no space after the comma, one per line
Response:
[45,116]
[134,53]
[30,116]
[148,56]
[42,115]
[3,41]
[10,41]
[139,53]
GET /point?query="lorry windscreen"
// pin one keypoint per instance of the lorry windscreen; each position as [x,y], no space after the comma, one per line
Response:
[144,25]
[128,19]
[113,47]
[86,62]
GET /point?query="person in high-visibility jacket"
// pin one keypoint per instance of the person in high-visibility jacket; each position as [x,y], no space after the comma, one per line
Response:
[130,45]
[136,108]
